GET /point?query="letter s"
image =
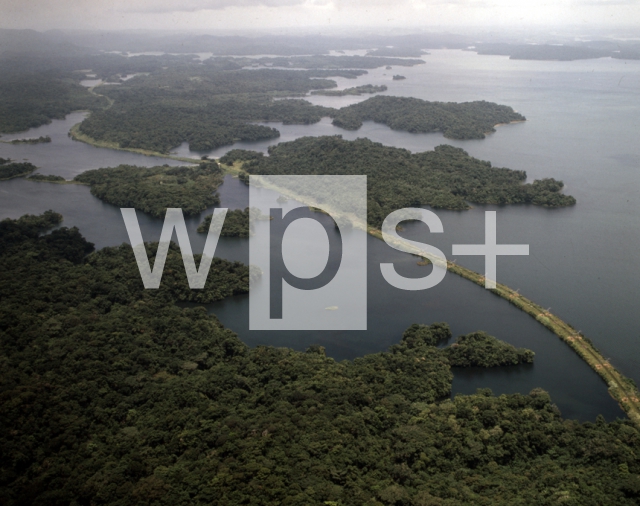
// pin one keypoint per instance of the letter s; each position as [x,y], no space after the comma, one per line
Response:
[391,237]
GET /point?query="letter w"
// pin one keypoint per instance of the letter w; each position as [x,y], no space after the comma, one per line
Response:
[173,219]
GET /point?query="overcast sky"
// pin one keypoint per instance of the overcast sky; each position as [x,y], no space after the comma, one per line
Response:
[269,14]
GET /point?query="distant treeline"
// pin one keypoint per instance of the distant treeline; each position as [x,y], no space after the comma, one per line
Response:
[397,51]
[154,189]
[338,62]
[446,177]
[356,90]
[628,50]
[38,140]
[30,101]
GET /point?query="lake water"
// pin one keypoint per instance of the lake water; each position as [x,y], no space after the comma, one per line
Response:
[582,128]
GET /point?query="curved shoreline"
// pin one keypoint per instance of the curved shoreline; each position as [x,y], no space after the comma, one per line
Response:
[76,135]
[621,388]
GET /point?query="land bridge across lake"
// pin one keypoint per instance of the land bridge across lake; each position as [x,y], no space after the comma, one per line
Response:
[621,388]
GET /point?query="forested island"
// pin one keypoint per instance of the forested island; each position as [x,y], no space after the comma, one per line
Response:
[176,98]
[37,140]
[338,62]
[398,77]
[9,170]
[154,189]
[47,178]
[445,178]
[112,394]
[356,90]
[467,120]
[559,52]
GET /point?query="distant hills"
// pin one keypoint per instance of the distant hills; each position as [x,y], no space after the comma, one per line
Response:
[562,52]
[16,42]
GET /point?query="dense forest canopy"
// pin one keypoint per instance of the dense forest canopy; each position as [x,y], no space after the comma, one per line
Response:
[47,178]
[446,177]
[482,350]
[112,394]
[33,140]
[468,120]
[209,109]
[154,189]
[177,98]
[10,170]
[30,101]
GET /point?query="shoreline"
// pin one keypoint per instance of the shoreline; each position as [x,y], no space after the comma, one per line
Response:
[76,135]
[66,181]
[621,388]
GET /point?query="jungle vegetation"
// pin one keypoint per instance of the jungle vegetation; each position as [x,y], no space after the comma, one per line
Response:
[9,170]
[205,108]
[28,101]
[208,107]
[38,140]
[46,178]
[445,178]
[468,120]
[112,394]
[482,350]
[154,189]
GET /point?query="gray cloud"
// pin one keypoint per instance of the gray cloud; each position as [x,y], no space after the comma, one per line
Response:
[164,6]
[604,3]
[266,14]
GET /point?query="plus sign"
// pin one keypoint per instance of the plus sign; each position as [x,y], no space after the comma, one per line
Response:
[490,250]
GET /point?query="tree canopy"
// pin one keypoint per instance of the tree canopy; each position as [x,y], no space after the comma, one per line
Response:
[112,394]
[10,170]
[468,120]
[446,177]
[154,189]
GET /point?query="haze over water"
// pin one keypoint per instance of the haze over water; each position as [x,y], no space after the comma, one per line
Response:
[582,128]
